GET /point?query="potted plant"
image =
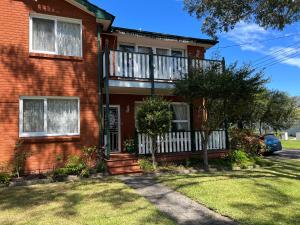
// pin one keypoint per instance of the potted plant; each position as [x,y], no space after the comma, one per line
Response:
[129,145]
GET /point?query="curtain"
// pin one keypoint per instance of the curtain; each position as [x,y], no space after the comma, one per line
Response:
[43,35]
[33,115]
[180,117]
[62,116]
[162,51]
[68,39]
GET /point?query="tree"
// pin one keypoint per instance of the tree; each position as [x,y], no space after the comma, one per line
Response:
[226,93]
[206,85]
[281,111]
[154,118]
[224,15]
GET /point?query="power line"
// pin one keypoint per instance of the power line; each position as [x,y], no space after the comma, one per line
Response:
[278,61]
[276,56]
[275,53]
[247,43]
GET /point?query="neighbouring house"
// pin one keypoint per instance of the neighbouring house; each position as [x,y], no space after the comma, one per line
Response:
[63,66]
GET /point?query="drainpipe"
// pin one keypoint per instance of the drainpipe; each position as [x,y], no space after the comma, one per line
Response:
[100,76]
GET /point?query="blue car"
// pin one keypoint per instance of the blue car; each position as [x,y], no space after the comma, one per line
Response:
[272,143]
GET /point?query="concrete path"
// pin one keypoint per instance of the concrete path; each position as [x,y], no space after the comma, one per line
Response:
[182,209]
[290,154]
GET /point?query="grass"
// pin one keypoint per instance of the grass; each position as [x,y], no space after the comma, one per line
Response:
[106,201]
[262,196]
[290,144]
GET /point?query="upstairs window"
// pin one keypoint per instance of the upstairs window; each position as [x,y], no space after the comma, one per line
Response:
[55,35]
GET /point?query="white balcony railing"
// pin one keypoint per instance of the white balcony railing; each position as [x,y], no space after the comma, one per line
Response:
[181,142]
[133,65]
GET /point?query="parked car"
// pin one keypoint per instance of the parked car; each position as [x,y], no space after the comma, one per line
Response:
[272,143]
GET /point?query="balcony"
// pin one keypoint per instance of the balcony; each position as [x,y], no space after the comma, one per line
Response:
[134,66]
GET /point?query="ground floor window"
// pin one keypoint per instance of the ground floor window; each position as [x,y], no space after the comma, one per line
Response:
[49,116]
[181,116]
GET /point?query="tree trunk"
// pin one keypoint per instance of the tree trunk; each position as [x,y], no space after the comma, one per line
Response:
[154,149]
[205,156]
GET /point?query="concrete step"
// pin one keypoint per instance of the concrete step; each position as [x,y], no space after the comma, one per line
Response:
[121,162]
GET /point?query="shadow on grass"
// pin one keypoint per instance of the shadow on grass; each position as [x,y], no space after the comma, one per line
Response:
[70,198]
[269,187]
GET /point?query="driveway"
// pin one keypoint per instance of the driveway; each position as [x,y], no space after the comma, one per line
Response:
[290,154]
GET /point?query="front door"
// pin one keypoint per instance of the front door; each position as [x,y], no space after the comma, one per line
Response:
[114,128]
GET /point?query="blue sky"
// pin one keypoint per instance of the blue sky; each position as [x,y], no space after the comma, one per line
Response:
[168,16]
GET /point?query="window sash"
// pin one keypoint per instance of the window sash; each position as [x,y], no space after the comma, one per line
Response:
[45,133]
[56,19]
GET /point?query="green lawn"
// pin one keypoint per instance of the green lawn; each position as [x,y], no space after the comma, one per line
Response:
[290,144]
[89,202]
[262,196]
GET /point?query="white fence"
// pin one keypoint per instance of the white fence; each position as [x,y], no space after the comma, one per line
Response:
[137,65]
[180,142]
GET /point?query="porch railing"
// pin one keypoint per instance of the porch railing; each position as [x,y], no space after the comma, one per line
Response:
[134,65]
[180,142]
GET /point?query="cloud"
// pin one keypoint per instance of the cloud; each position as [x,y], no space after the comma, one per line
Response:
[252,37]
[248,36]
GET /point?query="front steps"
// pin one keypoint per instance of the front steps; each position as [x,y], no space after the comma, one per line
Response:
[123,163]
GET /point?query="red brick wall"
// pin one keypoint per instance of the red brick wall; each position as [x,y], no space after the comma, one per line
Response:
[111,40]
[196,52]
[22,74]
[126,102]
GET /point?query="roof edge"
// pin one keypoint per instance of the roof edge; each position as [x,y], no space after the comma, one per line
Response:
[163,35]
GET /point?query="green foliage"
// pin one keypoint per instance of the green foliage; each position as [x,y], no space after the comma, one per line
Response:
[154,117]
[146,165]
[247,140]
[100,166]
[85,172]
[4,178]
[219,16]
[19,160]
[129,145]
[239,158]
[281,111]
[74,166]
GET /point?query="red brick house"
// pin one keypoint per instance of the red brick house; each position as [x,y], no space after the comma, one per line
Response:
[62,62]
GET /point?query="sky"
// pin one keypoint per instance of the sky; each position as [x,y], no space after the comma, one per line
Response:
[277,51]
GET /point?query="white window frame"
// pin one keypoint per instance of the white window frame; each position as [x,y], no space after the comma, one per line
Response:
[55,19]
[44,133]
[136,103]
[188,114]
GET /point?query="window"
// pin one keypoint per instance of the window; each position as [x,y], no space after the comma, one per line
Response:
[126,48]
[146,50]
[181,116]
[162,51]
[49,116]
[55,35]
[177,53]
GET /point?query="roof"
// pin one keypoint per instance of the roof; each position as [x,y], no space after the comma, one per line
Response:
[98,12]
[164,36]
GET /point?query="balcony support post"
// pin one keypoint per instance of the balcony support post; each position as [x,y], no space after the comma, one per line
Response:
[100,77]
[151,67]
[227,144]
[107,110]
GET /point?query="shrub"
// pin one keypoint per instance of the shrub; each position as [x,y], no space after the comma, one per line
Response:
[248,141]
[20,156]
[240,158]
[75,165]
[129,145]
[85,172]
[146,165]
[89,152]
[100,166]
[4,178]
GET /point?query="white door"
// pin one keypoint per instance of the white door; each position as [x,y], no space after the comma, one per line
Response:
[114,125]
